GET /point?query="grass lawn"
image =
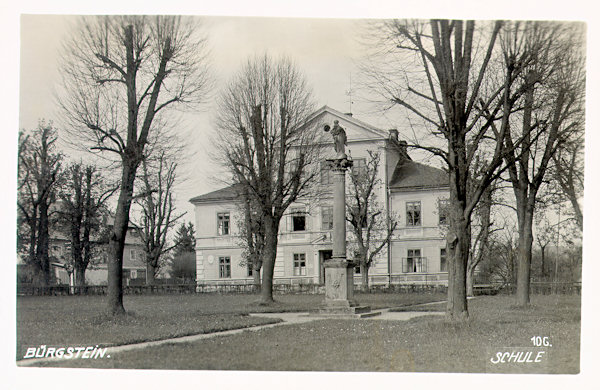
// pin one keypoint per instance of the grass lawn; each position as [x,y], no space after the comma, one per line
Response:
[423,344]
[80,320]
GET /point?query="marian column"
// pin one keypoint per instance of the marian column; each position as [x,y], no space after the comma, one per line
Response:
[339,271]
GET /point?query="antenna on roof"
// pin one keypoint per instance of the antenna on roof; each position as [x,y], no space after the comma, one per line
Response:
[349,93]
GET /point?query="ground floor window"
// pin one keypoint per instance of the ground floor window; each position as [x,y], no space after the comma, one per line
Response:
[299,264]
[224,267]
[443,262]
[414,262]
[249,270]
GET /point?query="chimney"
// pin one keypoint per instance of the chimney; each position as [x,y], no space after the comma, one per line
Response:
[402,146]
[394,134]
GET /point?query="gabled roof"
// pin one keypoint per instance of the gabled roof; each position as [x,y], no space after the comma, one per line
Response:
[368,130]
[413,175]
[223,194]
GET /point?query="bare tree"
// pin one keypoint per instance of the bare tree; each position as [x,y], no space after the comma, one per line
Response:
[553,81]
[83,199]
[266,145]
[252,237]
[158,215]
[568,172]
[447,84]
[38,180]
[481,243]
[371,228]
[121,73]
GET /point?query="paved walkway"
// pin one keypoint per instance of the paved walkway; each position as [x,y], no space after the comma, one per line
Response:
[287,319]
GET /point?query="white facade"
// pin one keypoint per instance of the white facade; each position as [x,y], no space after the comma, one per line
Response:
[409,191]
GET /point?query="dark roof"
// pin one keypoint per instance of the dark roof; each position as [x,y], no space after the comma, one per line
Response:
[227,193]
[413,175]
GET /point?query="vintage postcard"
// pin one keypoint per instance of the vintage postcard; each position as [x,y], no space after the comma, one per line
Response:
[251,196]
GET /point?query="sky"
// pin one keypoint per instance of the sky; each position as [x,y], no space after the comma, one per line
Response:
[327,51]
[324,50]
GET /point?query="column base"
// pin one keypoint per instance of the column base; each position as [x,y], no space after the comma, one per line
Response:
[339,310]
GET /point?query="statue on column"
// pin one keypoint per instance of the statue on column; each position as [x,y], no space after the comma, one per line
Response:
[339,139]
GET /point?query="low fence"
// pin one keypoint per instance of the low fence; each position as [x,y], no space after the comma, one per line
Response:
[544,288]
[24,289]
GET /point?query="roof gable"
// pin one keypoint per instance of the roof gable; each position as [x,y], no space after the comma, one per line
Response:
[356,130]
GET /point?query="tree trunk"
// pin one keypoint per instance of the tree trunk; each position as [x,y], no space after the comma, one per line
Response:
[364,276]
[458,241]
[458,244]
[524,256]
[79,276]
[150,272]
[116,243]
[269,254]
[42,257]
[470,276]
[256,277]
[543,253]
[456,309]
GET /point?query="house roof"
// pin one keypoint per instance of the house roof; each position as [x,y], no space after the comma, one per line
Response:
[224,194]
[348,118]
[413,175]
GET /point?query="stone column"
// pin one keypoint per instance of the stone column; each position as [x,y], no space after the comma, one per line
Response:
[339,278]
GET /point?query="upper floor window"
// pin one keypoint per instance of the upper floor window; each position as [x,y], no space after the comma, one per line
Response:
[326,218]
[413,213]
[299,264]
[359,167]
[134,254]
[223,224]
[298,220]
[224,267]
[443,211]
[326,174]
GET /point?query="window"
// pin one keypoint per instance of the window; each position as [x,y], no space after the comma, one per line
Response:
[299,264]
[362,217]
[413,213]
[136,255]
[298,220]
[357,270]
[326,218]
[443,210]
[224,267]
[223,224]
[443,263]
[359,167]
[414,262]
[326,174]
[249,269]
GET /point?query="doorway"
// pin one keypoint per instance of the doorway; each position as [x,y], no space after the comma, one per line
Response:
[324,255]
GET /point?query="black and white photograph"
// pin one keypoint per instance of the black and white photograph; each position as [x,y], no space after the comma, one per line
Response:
[301,197]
